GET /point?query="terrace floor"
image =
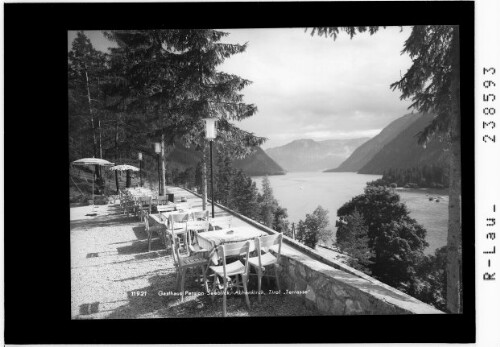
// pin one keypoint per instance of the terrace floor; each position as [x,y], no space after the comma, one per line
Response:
[114,276]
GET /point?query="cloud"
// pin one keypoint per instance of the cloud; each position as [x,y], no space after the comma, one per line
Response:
[312,86]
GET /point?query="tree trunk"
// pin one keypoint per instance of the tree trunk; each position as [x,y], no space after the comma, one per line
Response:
[129,179]
[96,170]
[100,172]
[204,156]
[99,125]
[116,154]
[204,175]
[100,136]
[454,242]
[162,166]
[117,182]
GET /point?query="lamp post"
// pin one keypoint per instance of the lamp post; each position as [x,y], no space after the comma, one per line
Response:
[211,134]
[158,151]
[139,156]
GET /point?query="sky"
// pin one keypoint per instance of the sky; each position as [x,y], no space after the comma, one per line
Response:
[312,87]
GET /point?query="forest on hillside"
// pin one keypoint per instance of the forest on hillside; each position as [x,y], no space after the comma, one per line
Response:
[426,176]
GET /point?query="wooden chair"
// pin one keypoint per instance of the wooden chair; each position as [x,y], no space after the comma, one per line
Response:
[122,196]
[127,204]
[164,217]
[183,264]
[177,224]
[193,228]
[182,206]
[230,272]
[206,244]
[150,229]
[264,258]
[160,200]
[143,203]
[112,199]
[200,215]
[179,220]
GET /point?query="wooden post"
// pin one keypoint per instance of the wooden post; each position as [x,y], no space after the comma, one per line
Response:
[140,173]
[117,182]
[159,178]
[162,166]
[204,176]
[91,116]
[212,178]
[129,180]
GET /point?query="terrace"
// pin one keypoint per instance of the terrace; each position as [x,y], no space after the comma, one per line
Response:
[114,276]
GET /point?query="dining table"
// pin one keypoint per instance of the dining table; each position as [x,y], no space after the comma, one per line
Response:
[162,220]
[167,208]
[210,239]
[138,191]
[235,234]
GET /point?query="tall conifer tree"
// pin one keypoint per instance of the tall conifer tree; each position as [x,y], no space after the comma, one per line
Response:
[86,66]
[268,204]
[171,77]
[244,196]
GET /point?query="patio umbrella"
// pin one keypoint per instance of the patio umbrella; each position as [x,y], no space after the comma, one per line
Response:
[123,167]
[92,161]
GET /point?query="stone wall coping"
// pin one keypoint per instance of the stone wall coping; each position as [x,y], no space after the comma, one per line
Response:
[341,272]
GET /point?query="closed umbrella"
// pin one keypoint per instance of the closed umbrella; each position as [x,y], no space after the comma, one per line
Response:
[92,161]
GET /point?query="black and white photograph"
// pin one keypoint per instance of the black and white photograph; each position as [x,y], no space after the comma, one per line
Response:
[264,172]
[229,176]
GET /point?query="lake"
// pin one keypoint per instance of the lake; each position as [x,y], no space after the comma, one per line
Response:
[301,192]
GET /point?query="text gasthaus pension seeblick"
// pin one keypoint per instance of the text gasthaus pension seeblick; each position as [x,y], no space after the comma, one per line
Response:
[238,292]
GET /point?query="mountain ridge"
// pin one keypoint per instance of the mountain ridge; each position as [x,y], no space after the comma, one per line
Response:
[404,152]
[257,163]
[312,155]
[365,152]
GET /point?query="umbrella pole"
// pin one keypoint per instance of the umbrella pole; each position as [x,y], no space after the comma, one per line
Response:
[93,180]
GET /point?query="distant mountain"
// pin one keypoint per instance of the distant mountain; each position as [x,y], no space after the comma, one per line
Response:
[256,164]
[310,155]
[364,153]
[403,152]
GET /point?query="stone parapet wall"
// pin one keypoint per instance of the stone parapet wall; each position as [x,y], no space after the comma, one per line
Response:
[335,292]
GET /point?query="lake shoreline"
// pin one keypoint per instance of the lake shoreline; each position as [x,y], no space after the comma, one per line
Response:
[301,192]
